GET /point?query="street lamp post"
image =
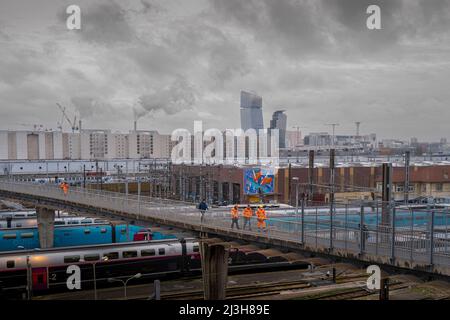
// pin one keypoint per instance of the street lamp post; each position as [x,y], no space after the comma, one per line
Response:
[136,276]
[28,273]
[296,197]
[84,176]
[104,258]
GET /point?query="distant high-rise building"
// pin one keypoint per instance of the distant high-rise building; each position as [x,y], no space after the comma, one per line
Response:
[251,111]
[293,139]
[279,121]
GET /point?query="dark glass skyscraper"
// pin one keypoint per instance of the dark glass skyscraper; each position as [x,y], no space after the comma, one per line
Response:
[279,121]
[251,111]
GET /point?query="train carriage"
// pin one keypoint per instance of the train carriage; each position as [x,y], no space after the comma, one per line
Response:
[48,267]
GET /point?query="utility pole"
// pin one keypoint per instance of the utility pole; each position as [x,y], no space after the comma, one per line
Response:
[386,193]
[84,176]
[332,165]
[406,187]
[311,175]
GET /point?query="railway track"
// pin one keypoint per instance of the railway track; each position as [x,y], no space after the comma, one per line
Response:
[235,292]
[261,290]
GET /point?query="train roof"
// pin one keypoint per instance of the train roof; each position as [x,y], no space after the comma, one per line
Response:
[94,246]
[81,225]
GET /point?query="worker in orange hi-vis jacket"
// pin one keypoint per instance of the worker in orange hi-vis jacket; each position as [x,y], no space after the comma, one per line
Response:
[235,217]
[248,213]
[261,217]
[65,187]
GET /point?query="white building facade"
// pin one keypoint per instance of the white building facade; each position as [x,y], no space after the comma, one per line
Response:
[84,145]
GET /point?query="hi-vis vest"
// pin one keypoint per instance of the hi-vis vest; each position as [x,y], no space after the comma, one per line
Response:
[248,212]
[234,213]
[261,213]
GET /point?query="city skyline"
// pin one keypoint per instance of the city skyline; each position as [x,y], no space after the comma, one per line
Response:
[170,63]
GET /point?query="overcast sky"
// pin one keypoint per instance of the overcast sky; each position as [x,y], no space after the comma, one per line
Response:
[170,62]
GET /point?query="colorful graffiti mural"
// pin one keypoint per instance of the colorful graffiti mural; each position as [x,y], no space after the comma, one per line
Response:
[259,180]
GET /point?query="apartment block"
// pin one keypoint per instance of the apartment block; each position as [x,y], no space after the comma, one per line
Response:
[84,145]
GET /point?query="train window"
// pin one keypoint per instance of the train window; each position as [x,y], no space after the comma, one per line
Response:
[74,222]
[91,257]
[196,248]
[112,255]
[100,221]
[103,230]
[161,251]
[71,259]
[27,235]
[147,252]
[9,236]
[18,225]
[19,215]
[129,254]
[59,223]
[86,221]
[10,264]
[87,231]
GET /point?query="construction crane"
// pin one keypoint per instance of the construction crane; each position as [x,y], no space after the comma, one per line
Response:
[73,124]
[298,134]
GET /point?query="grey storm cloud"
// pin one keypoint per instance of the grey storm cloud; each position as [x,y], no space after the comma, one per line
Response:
[103,22]
[352,13]
[86,106]
[19,65]
[330,27]
[293,26]
[351,18]
[155,59]
[228,60]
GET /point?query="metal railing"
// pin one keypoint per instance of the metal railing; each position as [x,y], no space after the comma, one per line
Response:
[418,236]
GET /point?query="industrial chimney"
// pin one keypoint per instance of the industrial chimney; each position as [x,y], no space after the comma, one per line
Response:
[135,125]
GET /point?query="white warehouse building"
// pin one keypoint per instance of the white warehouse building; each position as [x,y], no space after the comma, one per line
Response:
[84,145]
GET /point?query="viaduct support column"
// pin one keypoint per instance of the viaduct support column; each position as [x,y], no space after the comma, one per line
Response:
[46,227]
[214,255]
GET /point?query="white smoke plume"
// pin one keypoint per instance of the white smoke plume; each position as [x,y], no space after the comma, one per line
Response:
[171,99]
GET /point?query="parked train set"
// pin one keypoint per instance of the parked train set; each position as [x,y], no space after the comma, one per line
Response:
[48,268]
[51,270]
[31,222]
[79,231]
